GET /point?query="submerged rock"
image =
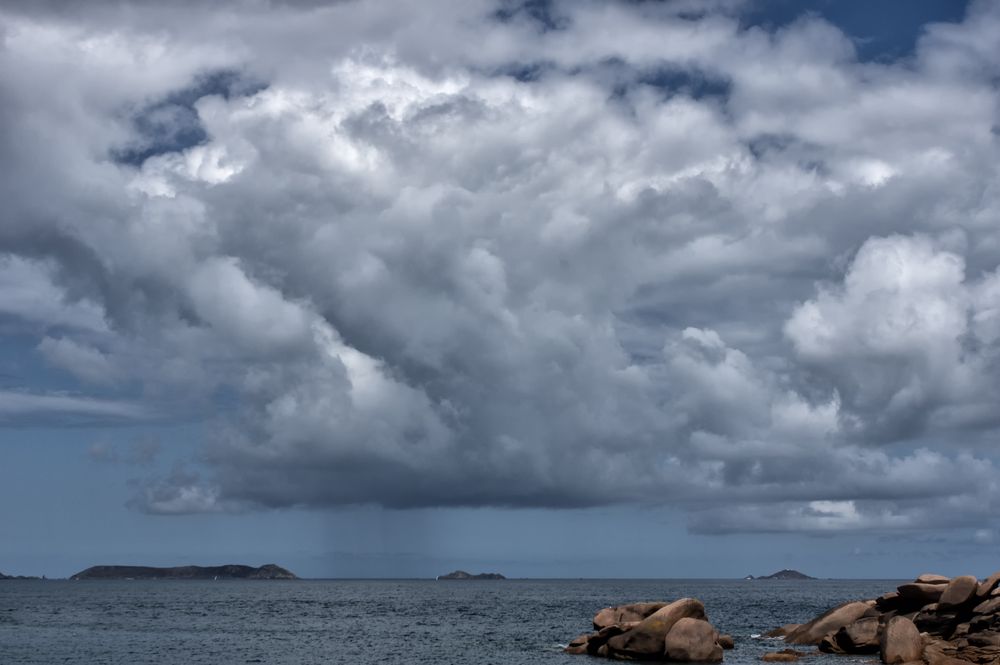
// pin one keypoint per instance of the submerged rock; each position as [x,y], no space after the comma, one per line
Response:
[782,631]
[784,656]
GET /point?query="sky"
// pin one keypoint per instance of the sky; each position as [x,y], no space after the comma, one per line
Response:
[601,288]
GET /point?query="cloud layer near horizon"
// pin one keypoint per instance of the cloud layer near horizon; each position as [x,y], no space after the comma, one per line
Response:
[465,257]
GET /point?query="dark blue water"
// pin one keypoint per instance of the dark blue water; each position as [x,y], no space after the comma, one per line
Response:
[362,622]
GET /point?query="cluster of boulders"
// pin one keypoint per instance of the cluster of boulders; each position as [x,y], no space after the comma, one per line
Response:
[935,619]
[677,631]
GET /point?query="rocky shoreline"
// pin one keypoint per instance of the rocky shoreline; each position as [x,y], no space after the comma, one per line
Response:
[935,620]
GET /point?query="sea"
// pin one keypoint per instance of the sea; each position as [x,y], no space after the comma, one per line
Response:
[364,622]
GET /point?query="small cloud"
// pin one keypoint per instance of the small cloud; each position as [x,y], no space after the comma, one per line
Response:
[103,452]
[984,536]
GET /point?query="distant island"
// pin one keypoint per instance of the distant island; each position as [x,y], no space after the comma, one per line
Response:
[782,575]
[228,572]
[462,575]
[19,577]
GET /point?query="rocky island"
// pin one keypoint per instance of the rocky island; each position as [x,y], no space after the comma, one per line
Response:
[228,572]
[785,574]
[462,575]
[19,577]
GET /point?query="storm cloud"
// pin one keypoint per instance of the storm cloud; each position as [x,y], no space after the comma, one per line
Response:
[515,254]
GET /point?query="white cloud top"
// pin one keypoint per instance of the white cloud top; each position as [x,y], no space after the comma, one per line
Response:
[423,256]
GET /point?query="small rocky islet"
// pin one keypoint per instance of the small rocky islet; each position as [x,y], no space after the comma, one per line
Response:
[462,575]
[935,620]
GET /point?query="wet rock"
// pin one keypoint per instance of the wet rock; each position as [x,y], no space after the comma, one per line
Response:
[785,656]
[646,640]
[828,622]
[692,640]
[829,644]
[610,616]
[959,591]
[578,645]
[900,642]
[783,630]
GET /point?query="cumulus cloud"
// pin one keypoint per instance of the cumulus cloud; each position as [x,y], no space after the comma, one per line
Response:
[613,252]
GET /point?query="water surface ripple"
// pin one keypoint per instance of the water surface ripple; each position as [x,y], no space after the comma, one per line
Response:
[362,622]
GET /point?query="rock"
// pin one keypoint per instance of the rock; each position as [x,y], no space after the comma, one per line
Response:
[941,653]
[985,640]
[931,578]
[932,620]
[828,622]
[959,591]
[785,656]
[591,643]
[988,585]
[646,640]
[783,630]
[610,616]
[727,642]
[900,642]
[692,641]
[601,637]
[921,593]
[888,602]
[860,636]
[829,644]
[578,645]
[989,606]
